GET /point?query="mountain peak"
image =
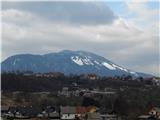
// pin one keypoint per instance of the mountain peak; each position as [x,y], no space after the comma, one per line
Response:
[67,62]
[75,52]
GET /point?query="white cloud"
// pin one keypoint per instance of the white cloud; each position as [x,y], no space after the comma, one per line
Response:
[142,14]
[14,15]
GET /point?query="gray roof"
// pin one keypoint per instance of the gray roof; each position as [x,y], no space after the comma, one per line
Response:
[54,114]
[68,110]
[94,116]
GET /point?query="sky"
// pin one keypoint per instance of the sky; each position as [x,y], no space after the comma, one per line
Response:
[125,32]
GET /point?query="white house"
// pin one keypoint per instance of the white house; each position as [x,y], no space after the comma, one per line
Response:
[68,113]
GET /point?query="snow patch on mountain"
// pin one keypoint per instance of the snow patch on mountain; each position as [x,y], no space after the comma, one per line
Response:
[77,60]
[82,61]
[116,66]
[108,66]
[87,61]
[134,73]
[97,63]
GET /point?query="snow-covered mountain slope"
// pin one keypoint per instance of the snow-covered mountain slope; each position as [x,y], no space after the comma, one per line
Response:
[68,62]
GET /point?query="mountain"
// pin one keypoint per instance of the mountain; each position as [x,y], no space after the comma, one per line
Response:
[68,62]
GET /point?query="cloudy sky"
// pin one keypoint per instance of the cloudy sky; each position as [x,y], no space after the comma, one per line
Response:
[123,32]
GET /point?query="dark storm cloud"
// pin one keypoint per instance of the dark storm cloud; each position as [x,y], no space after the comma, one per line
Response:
[67,12]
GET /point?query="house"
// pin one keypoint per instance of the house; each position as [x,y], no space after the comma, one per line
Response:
[156,81]
[54,115]
[20,115]
[22,112]
[50,112]
[91,76]
[11,112]
[91,109]
[155,111]
[28,73]
[50,74]
[4,110]
[68,113]
[81,112]
[38,74]
[69,92]
[65,92]
[40,115]
[94,116]
[153,114]
[26,112]
[53,74]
